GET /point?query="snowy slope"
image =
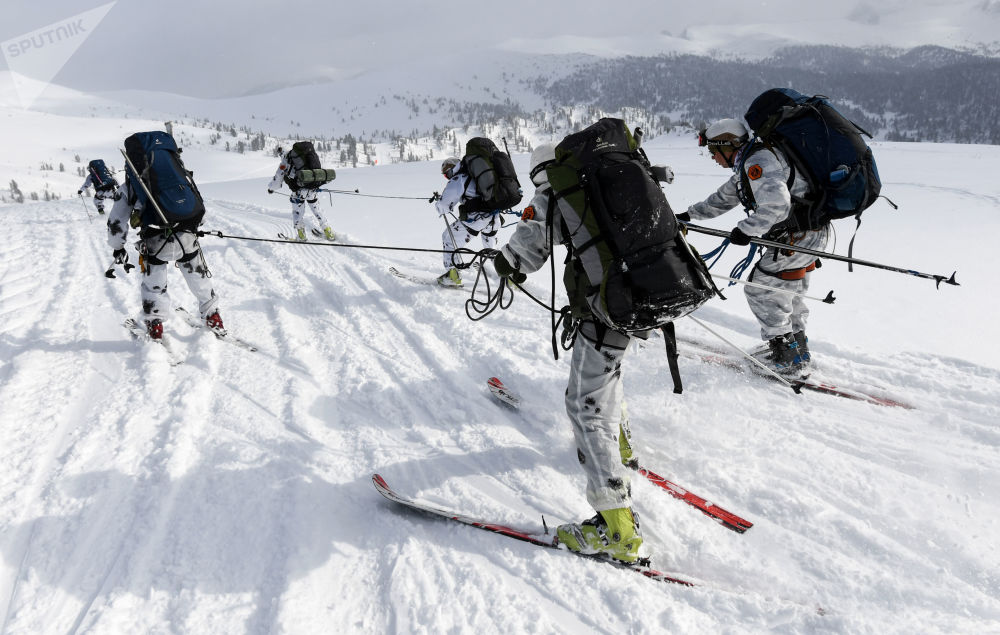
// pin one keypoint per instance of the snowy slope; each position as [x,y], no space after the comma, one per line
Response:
[232,493]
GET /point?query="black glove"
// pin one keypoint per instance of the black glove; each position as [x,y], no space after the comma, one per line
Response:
[434,197]
[505,270]
[683,216]
[270,191]
[121,256]
[79,192]
[737,237]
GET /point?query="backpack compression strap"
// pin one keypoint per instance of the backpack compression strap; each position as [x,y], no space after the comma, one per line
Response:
[670,338]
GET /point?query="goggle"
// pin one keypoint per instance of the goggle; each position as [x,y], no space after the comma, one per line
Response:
[705,141]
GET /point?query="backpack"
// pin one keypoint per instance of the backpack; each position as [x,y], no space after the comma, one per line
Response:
[632,268]
[154,167]
[303,156]
[493,173]
[823,146]
[102,178]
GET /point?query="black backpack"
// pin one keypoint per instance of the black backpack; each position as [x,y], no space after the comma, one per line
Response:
[824,147]
[154,167]
[493,173]
[303,156]
[632,268]
[101,176]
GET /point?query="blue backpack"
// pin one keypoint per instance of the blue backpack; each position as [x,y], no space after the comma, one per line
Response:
[823,146]
[154,167]
[101,175]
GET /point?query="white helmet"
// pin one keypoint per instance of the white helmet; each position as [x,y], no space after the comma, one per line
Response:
[541,156]
[449,164]
[724,132]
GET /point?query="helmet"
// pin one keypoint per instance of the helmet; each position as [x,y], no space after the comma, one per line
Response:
[724,132]
[541,156]
[448,164]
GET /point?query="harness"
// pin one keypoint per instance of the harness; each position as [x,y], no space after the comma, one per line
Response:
[791,274]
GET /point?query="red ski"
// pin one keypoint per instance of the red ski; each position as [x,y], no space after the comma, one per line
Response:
[727,519]
[541,540]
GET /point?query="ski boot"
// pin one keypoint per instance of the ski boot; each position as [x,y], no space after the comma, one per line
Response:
[803,358]
[450,278]
[613,532]
[300,234]
[781,355]
[214,323]
[329,234]
[629,458]
[154,328]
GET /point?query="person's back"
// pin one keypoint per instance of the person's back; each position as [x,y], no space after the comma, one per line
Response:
[164,241]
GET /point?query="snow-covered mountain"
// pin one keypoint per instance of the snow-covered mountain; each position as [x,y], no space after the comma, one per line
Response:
[232,493]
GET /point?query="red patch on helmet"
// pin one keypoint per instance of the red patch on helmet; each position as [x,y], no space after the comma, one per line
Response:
[755,172]
[528,213]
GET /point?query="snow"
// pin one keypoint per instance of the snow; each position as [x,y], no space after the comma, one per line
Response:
[232,493]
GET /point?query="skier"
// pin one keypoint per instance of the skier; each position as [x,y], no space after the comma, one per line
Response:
[594,396]
[158,247]
[460,189]
[761,174]
[300,196]
[104,184]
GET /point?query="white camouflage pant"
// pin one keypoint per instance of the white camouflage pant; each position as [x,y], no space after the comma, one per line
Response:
[299,200]
[594,403]
[780,313]
[486,227]
[159,254]
[101,196]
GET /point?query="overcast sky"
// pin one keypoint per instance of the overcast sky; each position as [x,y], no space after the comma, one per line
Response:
[224,47]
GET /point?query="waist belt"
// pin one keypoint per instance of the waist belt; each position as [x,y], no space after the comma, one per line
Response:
[791,274]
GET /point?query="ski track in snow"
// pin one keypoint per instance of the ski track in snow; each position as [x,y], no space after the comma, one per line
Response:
[232,493]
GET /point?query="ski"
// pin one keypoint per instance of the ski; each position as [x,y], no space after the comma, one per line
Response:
[224,336]
[421,280]
[317,233]
[138,332]
[542,540]
[808,382]
[498,390]
[726,518]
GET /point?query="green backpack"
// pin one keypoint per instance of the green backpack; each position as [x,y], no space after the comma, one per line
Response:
[630,266]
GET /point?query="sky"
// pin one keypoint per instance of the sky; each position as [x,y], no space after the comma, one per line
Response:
[227,48]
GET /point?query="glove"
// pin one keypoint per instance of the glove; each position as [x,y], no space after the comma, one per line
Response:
[270,191]
[79,192]
[505,270]
[662,173]
[683,216]
[434,197]
[121,256]
[737,237]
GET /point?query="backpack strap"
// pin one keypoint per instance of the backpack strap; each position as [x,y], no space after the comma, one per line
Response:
[670,339]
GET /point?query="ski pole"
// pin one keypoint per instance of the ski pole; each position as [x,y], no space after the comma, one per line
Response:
[815,252]
[86,209]
[797,387]
[453,242]
[829,299]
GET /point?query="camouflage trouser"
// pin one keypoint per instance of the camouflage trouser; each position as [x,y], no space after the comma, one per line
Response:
[780,313]
[158,254]
[299,200]
[463,232]
[594,403]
